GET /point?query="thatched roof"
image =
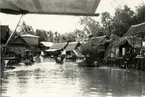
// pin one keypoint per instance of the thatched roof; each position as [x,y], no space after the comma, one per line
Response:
[132,41]
[72,46]
[136,29]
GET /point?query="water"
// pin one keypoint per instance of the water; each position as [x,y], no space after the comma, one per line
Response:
[49,79]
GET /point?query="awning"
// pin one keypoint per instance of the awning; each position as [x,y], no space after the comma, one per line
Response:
[74,7]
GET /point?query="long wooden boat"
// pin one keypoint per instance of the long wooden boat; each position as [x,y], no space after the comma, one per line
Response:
[85,64]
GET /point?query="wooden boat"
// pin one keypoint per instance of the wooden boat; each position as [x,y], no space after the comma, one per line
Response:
[85,64]
[28,62]
[59,60]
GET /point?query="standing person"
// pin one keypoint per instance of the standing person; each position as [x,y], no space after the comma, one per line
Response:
[41,56]
[63,55]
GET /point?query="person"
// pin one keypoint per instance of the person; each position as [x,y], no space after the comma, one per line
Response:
[63,55]
[30,57]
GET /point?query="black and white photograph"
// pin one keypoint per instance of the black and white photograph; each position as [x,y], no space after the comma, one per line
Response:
[72,48]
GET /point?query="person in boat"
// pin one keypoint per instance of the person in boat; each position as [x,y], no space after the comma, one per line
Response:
[30,56]
[29,59]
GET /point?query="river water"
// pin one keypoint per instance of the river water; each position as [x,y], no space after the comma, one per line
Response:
[49,79]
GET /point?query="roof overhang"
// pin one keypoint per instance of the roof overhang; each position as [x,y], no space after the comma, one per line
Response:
[136,29]
[66,7]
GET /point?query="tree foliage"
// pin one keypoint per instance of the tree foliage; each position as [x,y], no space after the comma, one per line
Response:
[91,26]
[42,35]
[68,37]
[140,13]
[25,29]
[123,20]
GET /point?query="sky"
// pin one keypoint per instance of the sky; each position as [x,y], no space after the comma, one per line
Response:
[61,23]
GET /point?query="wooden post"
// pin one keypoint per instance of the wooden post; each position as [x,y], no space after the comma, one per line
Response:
[2,63]
[141,35]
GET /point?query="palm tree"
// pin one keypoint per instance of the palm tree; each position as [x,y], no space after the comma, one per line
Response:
[25,29]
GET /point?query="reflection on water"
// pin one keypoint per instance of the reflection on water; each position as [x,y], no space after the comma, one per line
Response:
[49,79]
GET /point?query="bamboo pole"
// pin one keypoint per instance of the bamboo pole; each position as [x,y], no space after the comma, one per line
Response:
[14,31]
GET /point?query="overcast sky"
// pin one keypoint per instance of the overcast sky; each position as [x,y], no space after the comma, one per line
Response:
[64,24]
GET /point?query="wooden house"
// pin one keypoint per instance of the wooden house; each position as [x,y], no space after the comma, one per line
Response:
[18,46]
[122,46]
[101,43]
[56,49]
[33,43]
[133,40]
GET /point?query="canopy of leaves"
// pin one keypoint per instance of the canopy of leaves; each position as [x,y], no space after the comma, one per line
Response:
[42,35]
[123,20]
[140,13]
[25,29]
[91,26]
